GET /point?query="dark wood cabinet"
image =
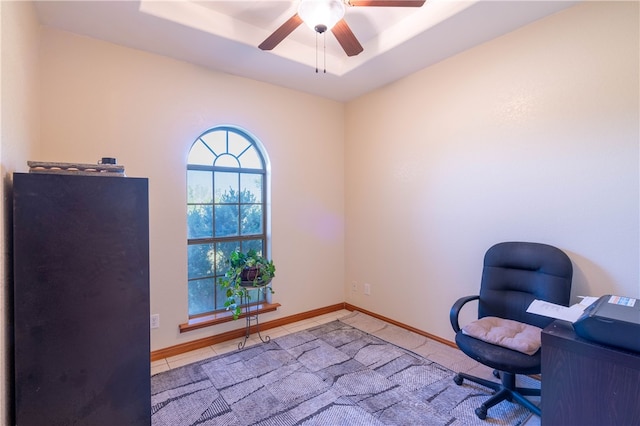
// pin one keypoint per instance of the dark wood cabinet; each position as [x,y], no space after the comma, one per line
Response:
[81,300]
[585,383]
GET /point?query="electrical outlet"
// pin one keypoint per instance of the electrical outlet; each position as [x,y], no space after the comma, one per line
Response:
[354,286]
[155,321]
[367,289]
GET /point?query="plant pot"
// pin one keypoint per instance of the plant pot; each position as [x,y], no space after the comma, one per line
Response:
[254,284]
[249,274]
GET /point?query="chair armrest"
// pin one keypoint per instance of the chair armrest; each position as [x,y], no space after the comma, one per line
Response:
[455,310]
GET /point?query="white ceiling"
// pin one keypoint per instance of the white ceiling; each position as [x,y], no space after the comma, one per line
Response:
[224,35]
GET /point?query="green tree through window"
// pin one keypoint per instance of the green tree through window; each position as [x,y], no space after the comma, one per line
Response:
[226,210]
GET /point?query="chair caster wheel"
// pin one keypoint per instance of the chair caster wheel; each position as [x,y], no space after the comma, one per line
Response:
[481,412]
[457,379]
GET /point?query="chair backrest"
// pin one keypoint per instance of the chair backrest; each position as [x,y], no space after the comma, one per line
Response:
[516,273]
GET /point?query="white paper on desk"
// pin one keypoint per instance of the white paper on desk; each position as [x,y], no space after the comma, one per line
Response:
[571,313]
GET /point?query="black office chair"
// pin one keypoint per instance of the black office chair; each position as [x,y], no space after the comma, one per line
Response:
[514,274]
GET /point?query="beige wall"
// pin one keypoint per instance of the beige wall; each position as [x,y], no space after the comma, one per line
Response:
[99,99]
[19,131]
[532,137]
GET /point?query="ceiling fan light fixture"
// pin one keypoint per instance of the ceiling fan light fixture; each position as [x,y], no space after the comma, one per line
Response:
[321,15]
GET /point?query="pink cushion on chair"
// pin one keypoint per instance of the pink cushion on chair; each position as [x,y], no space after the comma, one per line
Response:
[507,333]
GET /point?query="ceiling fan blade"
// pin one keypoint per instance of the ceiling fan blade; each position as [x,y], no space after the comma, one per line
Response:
[387,3]
[281,33]
[346,38]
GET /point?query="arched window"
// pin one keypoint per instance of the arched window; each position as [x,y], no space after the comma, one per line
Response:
[226,210]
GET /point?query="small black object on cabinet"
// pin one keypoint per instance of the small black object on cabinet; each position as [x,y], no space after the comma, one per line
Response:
[81,300]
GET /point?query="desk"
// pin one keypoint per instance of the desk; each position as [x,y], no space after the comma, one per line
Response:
[585,383]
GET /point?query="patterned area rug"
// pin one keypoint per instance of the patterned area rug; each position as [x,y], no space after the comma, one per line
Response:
[328,375]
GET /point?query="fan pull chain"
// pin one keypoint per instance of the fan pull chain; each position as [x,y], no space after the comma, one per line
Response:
[321,29]
[316,52]
[324,51]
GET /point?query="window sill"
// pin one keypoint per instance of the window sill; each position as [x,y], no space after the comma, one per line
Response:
[226,316]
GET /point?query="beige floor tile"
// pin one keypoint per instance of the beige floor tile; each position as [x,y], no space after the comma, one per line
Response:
[298,323]
[401,337]
[226,347]
[274,333]
[323,316]
[159,362]
[190,357]
[364,322]
[324,319]
[159,368]
[301,325]
[336,315]
[191,354]
[429,347]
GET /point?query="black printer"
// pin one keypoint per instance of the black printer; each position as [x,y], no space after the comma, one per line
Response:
[611,320]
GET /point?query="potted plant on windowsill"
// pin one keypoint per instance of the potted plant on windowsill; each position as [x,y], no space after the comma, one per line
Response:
[246,270]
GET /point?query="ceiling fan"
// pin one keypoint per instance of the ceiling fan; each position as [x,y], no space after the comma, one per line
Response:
[323,15]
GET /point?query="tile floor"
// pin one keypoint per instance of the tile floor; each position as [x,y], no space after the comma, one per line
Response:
[435,351]
[231,345]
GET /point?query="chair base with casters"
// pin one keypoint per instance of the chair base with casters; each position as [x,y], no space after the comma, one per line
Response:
[507,364]
[514,274]
[504,391]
